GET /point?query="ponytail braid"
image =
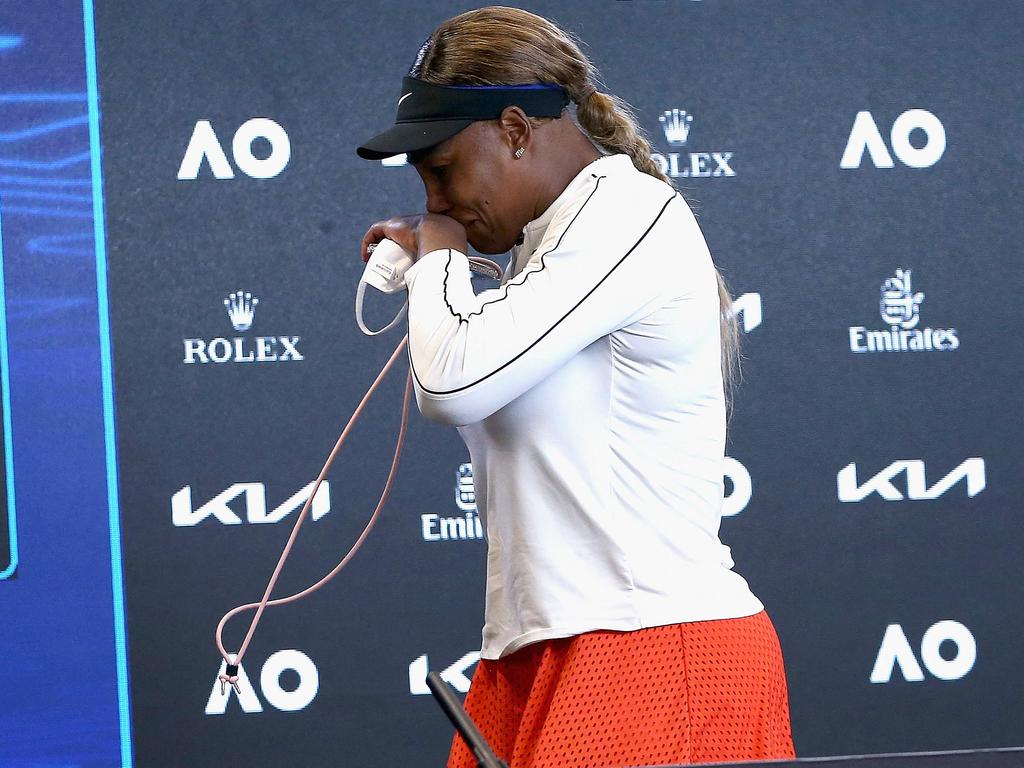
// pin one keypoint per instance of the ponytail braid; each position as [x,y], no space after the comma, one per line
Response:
[612,125]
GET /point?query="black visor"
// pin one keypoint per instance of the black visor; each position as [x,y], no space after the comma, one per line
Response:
[428,114]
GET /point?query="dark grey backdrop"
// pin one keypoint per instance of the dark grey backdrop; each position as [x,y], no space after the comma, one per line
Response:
[777,84]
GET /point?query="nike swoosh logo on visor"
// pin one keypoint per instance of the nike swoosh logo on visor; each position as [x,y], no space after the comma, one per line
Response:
[404,98]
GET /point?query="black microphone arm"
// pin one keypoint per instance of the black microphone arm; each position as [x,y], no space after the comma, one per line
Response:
[463,724]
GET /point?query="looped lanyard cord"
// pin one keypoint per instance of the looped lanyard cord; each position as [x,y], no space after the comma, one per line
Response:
[262,605]
[477,264]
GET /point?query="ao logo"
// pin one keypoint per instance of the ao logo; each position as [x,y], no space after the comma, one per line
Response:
[454,674]
[972,470]
[865,135]
[204,144]
[895,650]
[270,684]
[742,488]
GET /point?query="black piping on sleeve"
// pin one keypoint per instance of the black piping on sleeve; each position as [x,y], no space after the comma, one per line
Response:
[549,330]
[509,285]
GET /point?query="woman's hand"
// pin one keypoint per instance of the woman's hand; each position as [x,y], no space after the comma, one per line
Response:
[419,234]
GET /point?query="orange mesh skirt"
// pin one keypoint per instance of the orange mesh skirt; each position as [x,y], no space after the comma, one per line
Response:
[694,692]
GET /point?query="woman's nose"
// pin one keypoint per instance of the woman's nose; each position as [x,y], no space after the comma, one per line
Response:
[436,200]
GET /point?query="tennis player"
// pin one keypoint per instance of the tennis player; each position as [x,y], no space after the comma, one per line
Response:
[591,389]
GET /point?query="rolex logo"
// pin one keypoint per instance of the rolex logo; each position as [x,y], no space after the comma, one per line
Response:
[676,124]
[240,307]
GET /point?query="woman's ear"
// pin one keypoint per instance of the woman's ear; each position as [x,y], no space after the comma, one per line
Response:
[516,130]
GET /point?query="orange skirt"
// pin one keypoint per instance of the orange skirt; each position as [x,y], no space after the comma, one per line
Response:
[704,691]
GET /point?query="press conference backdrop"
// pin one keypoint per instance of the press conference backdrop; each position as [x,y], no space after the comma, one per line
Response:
[181,207]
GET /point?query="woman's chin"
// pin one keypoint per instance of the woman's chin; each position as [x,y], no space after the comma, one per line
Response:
[489,247]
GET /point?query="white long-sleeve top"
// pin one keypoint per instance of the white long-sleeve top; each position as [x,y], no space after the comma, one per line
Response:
[588,390]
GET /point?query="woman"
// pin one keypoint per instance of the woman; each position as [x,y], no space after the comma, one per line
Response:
[589,391]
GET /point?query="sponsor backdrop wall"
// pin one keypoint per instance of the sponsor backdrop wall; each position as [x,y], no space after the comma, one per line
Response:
[854,168]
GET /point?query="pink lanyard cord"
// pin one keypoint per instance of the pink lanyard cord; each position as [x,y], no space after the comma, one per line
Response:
[230,675]
[478,264]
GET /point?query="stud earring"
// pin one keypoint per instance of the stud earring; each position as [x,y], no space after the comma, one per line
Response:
[520,152]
